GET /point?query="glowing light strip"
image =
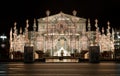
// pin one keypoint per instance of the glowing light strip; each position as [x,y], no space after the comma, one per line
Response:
[3,37]
[118,36]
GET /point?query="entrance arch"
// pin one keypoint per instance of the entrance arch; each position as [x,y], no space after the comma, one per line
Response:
[62,45]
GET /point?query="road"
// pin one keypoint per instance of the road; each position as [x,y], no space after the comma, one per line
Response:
[59,69]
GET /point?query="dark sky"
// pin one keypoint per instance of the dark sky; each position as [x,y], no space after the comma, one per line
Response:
[20,10]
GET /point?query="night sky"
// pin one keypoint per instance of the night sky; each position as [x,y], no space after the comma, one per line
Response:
[20,10]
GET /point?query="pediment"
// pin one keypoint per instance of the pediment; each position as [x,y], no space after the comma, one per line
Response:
[61,17]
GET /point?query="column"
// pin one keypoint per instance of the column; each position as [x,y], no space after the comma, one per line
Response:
[44,44]
[69,39]
[72,49]
[65,45]
[79,45]
[51,51]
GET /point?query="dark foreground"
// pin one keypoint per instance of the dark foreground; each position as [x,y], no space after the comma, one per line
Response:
[59,69]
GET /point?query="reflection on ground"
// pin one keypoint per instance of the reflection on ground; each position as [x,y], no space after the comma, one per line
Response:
[59,69]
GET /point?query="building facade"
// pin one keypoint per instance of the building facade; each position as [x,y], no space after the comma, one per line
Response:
[61,35]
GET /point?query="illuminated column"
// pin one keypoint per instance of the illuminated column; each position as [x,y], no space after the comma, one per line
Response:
[44,44]
[108,28]
[11,45]
[74,13]
[79,44]
[89,32]
[34,25]
[26,30]
[72,49]
[102,41]
[69,38]
[97,32]
[10,40]
[51,51]
[89,26]
[11,35]
[52,39]
[47,13]
[70,44]
[75,37]
[15,37]
[15,30]
[34,29]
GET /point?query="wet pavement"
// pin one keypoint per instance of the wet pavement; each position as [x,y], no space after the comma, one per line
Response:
[59,69]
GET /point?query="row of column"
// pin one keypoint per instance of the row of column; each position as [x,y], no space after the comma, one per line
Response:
[72,45]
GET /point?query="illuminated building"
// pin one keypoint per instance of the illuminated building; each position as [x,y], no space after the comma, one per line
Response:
[61,35]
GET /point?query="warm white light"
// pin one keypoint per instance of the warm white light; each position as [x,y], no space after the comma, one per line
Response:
[2,45]
[118,36]
[3,37]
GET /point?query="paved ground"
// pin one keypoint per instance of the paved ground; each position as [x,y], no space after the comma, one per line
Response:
[59,69]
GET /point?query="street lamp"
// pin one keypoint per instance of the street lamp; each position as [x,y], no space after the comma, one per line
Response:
[3,38]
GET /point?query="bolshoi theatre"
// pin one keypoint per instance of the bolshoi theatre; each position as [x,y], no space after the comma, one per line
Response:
[61,35]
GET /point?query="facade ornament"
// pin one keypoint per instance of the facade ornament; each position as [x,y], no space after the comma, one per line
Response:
[113,32]
[27,23]
[34,26]
[15,30]
[15,23]
[47,12]
[11,34]
[108,28]
[26,29]
[103,30]
[89,26]
[97,32]
[108,23]
[74,12]
[96,23]
[20,30]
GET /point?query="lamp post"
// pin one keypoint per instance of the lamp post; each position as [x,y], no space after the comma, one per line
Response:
[3,40]
[4,50]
